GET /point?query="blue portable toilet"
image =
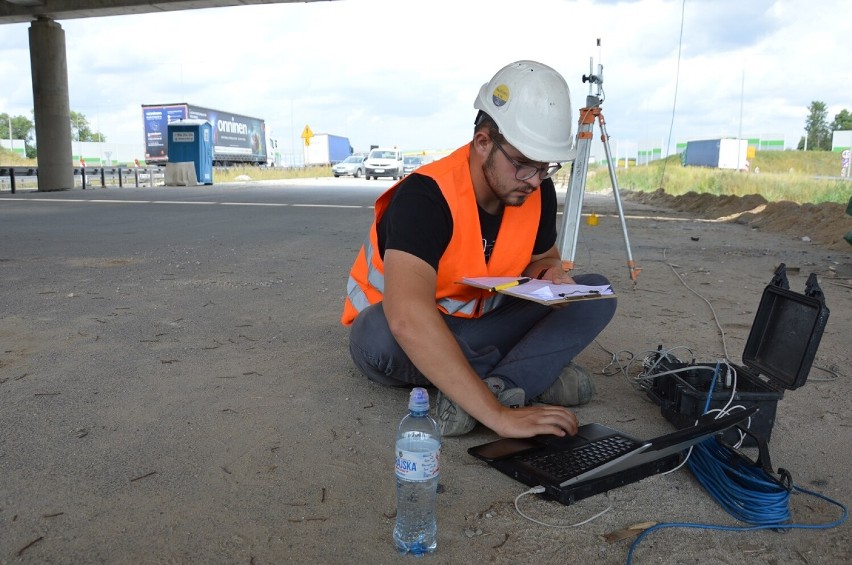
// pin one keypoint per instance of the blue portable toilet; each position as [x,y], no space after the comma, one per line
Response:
[192,141]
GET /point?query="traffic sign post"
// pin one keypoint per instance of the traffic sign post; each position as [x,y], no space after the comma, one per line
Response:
[307,134]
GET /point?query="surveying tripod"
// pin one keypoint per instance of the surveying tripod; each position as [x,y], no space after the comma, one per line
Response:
[567,240]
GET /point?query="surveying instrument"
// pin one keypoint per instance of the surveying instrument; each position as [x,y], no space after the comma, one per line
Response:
[567,241]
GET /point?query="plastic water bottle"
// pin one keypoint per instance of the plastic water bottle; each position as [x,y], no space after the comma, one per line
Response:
[418,446]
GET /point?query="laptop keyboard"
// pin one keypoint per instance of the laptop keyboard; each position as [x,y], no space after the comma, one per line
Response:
[568,464]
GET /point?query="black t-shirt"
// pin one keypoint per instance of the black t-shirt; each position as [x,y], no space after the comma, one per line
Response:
[418,221]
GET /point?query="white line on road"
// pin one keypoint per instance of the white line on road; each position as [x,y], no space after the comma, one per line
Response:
[326,206]
[186,202]
[280,205]
[253,204]
[182,202]
[119,201]
[47,200]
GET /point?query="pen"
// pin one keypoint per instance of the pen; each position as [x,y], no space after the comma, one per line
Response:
[567,295]
[510,284]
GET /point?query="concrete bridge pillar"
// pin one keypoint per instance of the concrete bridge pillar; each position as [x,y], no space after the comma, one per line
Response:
[51,105]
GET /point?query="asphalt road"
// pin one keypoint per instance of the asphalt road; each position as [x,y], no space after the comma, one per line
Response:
[175,387]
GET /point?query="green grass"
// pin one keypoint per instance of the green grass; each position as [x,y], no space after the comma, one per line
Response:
[795,176]
[232,174]
[10,158]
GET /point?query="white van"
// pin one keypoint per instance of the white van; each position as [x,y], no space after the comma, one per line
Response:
[384,162]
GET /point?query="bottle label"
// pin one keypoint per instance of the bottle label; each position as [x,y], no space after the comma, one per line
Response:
[417,465]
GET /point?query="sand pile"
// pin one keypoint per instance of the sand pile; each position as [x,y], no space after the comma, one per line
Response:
[823,224]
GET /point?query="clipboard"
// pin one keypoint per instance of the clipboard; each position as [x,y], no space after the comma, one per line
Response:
[537,290]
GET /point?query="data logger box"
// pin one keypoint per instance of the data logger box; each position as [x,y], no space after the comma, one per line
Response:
[778,355]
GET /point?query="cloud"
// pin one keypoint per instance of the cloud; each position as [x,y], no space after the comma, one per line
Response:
[725,28]
[749,67]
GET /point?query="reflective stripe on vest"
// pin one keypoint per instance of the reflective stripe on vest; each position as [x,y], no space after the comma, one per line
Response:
[356,295]
[487,304]
[375,278]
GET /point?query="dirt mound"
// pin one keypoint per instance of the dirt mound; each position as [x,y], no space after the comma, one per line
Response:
[824,224]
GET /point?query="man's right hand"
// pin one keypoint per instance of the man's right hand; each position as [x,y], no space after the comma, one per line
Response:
[534,420]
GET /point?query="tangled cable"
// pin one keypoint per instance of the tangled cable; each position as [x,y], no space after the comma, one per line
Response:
[745,490]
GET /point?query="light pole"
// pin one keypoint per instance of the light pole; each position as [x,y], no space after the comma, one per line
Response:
[740,130]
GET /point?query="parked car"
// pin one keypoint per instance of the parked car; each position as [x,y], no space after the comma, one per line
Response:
[351,166]
[384,162]
[410,163]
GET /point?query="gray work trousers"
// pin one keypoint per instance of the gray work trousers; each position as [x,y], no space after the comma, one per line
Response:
[524,343]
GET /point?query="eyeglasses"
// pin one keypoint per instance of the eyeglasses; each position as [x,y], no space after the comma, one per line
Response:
[527,171]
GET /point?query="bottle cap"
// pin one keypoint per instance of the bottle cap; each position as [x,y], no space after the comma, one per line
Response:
[418,399]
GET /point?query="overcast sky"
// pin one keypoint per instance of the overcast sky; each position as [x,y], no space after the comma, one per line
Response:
[406,73]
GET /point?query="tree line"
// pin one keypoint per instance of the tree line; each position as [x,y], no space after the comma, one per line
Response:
[818,132]
[23,128]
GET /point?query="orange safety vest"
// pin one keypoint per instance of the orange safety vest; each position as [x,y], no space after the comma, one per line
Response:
[464,255]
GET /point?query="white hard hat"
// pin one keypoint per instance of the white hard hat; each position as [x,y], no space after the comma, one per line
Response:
[531,104]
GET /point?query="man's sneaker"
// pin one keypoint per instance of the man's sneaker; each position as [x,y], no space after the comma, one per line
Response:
[573,387]
[512,398]
[454,421]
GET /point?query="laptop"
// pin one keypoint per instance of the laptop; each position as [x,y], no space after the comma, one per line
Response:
[596,459]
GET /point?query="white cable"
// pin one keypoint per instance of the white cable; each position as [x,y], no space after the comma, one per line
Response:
[833,372]
[539,490]
[721,413]
[715,317]
[682,463]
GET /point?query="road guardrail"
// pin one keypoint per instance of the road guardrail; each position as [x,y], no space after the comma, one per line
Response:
[108,176]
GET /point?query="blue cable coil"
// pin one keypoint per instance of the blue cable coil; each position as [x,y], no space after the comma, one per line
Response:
[746,491]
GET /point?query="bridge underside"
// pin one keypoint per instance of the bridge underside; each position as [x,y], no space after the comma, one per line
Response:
[18,11]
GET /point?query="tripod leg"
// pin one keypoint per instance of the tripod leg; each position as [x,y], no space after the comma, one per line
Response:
[571,213]
[631,265]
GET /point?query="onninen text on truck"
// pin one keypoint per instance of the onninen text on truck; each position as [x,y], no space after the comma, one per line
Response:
[237,139]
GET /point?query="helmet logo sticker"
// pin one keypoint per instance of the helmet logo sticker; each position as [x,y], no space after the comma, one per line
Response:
[500,95]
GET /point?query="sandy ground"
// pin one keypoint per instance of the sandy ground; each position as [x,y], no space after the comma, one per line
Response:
[176,388]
